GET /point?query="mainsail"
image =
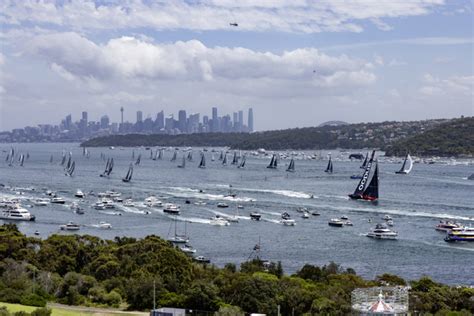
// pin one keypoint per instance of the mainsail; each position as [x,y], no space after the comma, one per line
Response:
[242,163]
[138,159]
[183,163]
[175,155]
[329,166]
[273,162]
[364,164]
[235,160]
[291,166]
[359,190]
[371,193]
[407,165]
[202,163]
[224,160]
[129,174]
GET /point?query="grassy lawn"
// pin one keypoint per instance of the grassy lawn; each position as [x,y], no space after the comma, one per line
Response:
[58,311]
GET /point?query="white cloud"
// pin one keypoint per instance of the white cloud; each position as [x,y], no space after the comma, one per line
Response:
[285,15]
[454,86]
[72,55]
[395,62]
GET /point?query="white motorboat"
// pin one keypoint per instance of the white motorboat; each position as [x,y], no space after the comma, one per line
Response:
[187,249]
[344,217]
[17,213]
[219,221]
[222,205]
[288,222]
[128,203]
[171,208]
[104,203]
[58,200]
[382,232]
[202,259]
[390,223]
[315,213]
[446,226]
[336,222]
[387,217]
[41,202]
[152,201]
[240,207]
[255,216]
[177,239]
[200,203]
[348,223]
[79,194]
[105,225]
[70,226]
[305,215]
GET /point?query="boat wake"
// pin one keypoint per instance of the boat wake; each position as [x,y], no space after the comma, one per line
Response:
[287,193]
[192,193]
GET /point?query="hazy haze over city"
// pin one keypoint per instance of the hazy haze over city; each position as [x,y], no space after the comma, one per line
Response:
[296,63]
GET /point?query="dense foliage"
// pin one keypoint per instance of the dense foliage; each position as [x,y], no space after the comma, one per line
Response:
[454,138]
[351,136]
[87,270]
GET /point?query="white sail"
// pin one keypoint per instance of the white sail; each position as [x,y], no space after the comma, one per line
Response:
[410,164]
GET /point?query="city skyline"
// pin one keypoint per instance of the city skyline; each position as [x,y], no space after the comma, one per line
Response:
[302,63]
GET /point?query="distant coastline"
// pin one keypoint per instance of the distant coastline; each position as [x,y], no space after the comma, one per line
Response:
[446,137]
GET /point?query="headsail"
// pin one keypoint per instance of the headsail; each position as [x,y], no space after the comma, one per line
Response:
[364,164]
[407,165]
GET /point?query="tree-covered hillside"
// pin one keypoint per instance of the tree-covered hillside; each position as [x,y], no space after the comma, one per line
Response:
[86,270]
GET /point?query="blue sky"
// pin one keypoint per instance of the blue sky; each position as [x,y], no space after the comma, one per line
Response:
[297,63]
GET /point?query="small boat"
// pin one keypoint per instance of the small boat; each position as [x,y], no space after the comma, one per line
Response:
[183,163]
[41,202]
[387,217]
[129,174]
[187,249]
[382,232]
[202,163]
[460,234]
[407,165]
[222,205]
[291,166]
[446,226]
[108,167]
[128,203]
[273,163]
[390,223]
[255,216]
[187,202]
[202,259]
[240,207]
[70,226]
[152,201]
[171,209]
[329,167]
[344,217]
[37,233]
[219,221]
[200,203]
[285,215]
[57,200]
[315,213]
[301,209]
[305,215]
[105,225]
[336,222]
[242,163]
[79,194]
[288,222]
[471,177]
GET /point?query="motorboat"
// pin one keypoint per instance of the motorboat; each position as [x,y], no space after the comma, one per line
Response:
[118,199]
[390,223]
[382,232]
[153,202]
[301,209]
[305,215]
[17,213]
[344,217]
[460,234]
[79,194]
[187,249]
[446,226]
[315,213]
[222,205]
[202,259]
[104,203]
[41,202]
[57,200]
[178,239]
[71,226]
[288,222]
[387,217]
[336,222]
[200,203]
[37,233]
[171,208]
[128,203]
[219,221]
[105,225]
[348,223]
[255,216]
[285,215]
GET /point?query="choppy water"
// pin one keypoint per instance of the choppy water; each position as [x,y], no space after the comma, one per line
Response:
[416,202]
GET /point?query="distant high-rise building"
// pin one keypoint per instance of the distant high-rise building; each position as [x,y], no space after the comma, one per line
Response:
[104,122]
[182,121]
[215,121]
[160,120]
[169,123]
[68,122]
[205,120]
[241,121]
[235,120]
[250,120]
[84,116]
[121,115]
[139,116]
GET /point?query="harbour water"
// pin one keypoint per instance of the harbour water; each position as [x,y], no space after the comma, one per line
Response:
[416,202]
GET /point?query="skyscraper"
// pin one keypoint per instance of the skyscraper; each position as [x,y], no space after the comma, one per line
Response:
[235,121]
[182,121]
[84,116]
[250,120]
[160,120]
[241,121]
[121,114]
[104,122]
[139,116]
[215,121]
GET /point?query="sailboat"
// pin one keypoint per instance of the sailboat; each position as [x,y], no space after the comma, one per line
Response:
[212,157]
[190,156]
[202,164]
[242,163]
[371,191]
[108,167]
[70,169]
[179,239]
[224,160]
[175,155]
[273,162]
[160,154]
[22,160]
[183,163]
[235,160]
[221,157]
[51,159]
[364,164]
[151,154]
[129,174]
[291,166]
[329,167]
[405,169]
[138,160]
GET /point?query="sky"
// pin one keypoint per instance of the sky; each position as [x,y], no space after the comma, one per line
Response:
[295,62]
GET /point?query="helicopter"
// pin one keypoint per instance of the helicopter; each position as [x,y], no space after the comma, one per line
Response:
[234,24]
